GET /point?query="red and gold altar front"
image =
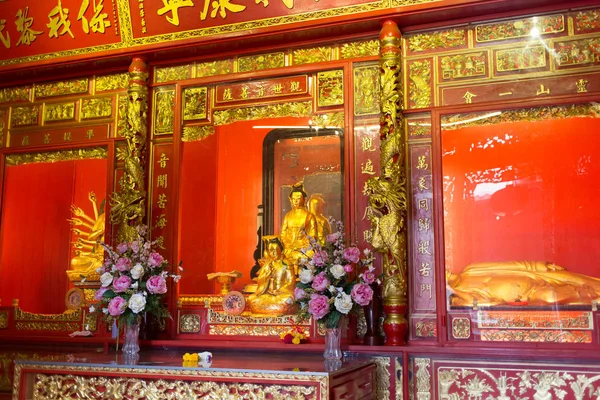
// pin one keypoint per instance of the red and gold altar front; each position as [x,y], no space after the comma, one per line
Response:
[457,139]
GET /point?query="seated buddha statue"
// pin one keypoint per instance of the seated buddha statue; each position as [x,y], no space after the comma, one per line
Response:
[315,205]
[520,282]
[276,281]
[297,224]
[89,255]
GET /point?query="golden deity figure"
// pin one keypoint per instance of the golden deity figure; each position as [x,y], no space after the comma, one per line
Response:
[276,281]
[298,224]
[315,205]
[520,283]
[89,254]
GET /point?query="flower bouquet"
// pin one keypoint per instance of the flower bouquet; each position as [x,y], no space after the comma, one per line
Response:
[330,284]
[134,282]
[294,335]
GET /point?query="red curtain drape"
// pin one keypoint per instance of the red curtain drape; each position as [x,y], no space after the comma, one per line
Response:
[36,235]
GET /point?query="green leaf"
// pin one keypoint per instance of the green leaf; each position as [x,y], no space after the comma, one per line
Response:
[109,294]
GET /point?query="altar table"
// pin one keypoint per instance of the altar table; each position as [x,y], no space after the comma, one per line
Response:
[160,375]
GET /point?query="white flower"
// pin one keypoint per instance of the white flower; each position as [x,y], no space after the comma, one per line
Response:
[92,309]
[137,302]
[99,269]
[106,279]
[306,276]
[337,271]
[137,271]
[105,310]
[343,303]
[134,285]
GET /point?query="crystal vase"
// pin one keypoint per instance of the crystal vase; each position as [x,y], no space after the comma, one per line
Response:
[333,337]
[131,336]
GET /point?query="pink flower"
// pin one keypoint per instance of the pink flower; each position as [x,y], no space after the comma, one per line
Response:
[299,293]
[99,293]
[122,283]
[135,246]
[117,306]
[318,306]
[320,282]
[362,294]
[332,237]
[122,248]
[348,268]
[157,285]
[319,258]
[352,254]
[155,259]
[368,277]
[123,264]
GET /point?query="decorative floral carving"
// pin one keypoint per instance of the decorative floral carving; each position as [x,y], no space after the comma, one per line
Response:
[261,61]
[536,335]
[312,55]
[461,328]
[426,329]
[194,133]
[172,74]
[364,48]
[521,58]
[419,88]
[463,66]
[447,39]
[212,68]
[54,156]
[301,109]
[423,377]
[577,52]
[189,323]
[112,82]
[519,28]
[20,93]
[24,116]
[3,320]
[164,117]
[330,86]
[367,91]
[96,108]
[59,112]
[61,88]
[587,21]
[383,377]
[195,103]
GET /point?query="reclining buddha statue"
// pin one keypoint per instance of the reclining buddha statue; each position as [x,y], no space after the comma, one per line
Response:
[276,281]
[520,282]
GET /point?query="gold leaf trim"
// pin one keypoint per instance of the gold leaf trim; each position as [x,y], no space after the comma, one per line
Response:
[69,315]
[194,134]
[447,39]
[51,89]
[300,109]
[48,326]
[56,156]
[215,317]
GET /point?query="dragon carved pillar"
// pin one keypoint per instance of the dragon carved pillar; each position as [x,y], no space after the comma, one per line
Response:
[387,192]
[128,204]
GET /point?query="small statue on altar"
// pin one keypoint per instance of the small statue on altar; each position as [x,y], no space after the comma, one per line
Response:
[89,255]
[297,224]
[276,281]
[315,205]
[520,283]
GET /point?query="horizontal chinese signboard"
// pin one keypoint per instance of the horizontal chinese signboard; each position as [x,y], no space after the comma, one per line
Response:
[262,89]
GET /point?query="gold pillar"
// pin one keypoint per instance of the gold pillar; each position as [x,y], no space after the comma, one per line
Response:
[128,204]
[387,192]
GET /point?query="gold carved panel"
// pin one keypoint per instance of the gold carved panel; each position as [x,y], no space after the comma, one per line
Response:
[59,112]
[122,116]
[54,156]
[312,55]
[261,61]
[3,320]
[229,116]
[419,87]
[164,112]
[112,82]
[366,48]
[48,326]
[460,66]
[189,323]
[518,59]
[172,74]
[213,68]
[577,52]
[194,133]
[195,103]
[330,88]
[519,28]
[439,40]
[383,377]
[91,322]
[587,21]
[24,116]
[20,93]
[461,328]
[367,92]
[96,108]
[75,86]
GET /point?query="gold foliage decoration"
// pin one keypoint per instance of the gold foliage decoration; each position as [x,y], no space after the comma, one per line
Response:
[437,40]
[312,55]
[96,108]
[419,89]
[261,61]
[112,82]
[20,93]
[74,86]
[367,92]
[172,74]
[330,88]
[56,156]
[214,68]
[296,109]
[360,49]
[195,133]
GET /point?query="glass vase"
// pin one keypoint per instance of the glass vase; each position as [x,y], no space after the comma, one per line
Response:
[131,339]
[333,338]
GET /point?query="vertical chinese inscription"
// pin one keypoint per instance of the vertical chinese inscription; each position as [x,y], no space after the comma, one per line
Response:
[330,88]
[423,229]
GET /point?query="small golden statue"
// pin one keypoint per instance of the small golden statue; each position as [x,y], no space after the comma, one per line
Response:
[297,224]
[89,255]
[276,282]
[520,282]
[315,205]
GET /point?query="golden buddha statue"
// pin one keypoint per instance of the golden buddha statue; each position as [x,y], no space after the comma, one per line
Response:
[297,224]
[315,205]
[520,282]
[276,281]
[89,255]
